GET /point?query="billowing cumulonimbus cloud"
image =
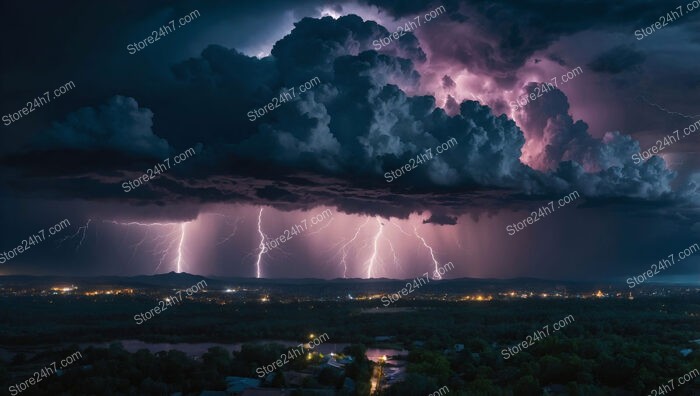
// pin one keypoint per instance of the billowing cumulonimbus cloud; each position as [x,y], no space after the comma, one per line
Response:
[119,125]
[504,35]
[600,167]
[335,144]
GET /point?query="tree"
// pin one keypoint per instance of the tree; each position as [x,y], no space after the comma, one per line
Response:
[527,386]
[429,363]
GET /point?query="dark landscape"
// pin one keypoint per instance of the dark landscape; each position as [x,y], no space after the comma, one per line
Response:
[350,198]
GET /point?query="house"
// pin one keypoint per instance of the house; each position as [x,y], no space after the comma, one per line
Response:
[334,363]
[345,360]
[456,349]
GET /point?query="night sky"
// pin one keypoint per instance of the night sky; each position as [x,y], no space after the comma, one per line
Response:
[375,109]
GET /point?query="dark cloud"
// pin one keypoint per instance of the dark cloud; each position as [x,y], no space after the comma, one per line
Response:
[618,59]
[370,114]
[448,83]
[556,58]
[441,219]
[316,44]
[508,33]
[351,129]
[451,105]
[119,125]
[597,167]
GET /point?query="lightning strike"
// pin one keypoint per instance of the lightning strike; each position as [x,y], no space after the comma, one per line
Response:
[262,243]
[179,247]
[232,234]
[393,252]
[400,229]
[373,259]
[344,249]
[432,254]
[164,244]
[82,230]
[459,244]
[667,111]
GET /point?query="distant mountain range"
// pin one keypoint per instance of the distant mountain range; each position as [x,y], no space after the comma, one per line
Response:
[311,285]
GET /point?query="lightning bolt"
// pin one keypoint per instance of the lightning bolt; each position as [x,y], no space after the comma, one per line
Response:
[164,243]
[344,250]
[665,110]
[400,229]
[459,244]
[179,247]
[432,254]
[393,252]
[262,240]
[231,235]
[81,231]
[373,259]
